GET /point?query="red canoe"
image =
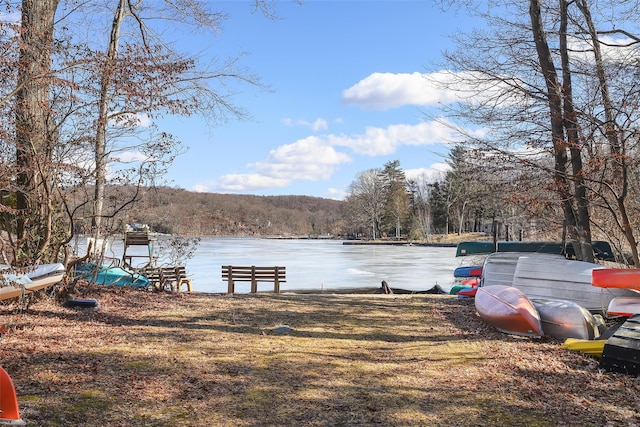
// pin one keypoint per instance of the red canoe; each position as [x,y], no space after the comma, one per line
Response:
[508,309]
[626,278]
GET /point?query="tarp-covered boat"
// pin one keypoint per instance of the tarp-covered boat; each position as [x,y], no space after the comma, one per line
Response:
[508,309]
[602,250]
[108,275]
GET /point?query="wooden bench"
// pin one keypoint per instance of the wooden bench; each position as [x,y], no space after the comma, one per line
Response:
[169,278]
[253,274]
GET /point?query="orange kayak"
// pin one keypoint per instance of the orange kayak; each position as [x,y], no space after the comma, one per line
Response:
[623,278]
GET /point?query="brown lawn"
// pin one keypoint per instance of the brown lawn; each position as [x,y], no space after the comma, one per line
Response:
[158,359]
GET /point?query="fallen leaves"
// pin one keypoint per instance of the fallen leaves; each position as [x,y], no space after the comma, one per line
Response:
[200,360]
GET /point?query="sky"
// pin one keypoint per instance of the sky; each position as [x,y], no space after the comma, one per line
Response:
[346,94]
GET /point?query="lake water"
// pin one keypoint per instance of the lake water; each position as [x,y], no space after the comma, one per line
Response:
[319,264]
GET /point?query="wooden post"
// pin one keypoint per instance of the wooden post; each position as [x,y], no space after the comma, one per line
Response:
[254,282]
[230,287]
[276,283]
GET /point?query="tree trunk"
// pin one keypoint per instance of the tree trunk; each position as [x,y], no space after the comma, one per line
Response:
[583,246]
[35,136]
[103,107]
[554,98]
[611,133]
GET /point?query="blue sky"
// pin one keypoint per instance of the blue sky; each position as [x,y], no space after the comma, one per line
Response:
[346,94]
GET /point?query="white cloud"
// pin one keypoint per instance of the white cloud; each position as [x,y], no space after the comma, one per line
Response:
[434,173]
[384,91]
[248,182]
[129,157]
[613,49]
[310,159]
[335,193]
[316,158]
[317,125]
[382,141]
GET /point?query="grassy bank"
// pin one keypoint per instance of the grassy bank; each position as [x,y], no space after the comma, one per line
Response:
[145,359]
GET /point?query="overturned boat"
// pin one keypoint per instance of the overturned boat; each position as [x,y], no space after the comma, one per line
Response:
[19,282]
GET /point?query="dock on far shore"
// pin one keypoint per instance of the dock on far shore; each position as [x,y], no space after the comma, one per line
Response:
[399,243]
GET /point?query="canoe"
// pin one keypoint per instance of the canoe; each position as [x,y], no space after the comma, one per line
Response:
[590,347]
[457,288]
[508,309]
[623,278]
[565,319]
[499,267]
[469,292]
[13,285]
[624,306]
[563,279]
[621,352]
[602,250]
[468,271]
[108,275]
[473,281]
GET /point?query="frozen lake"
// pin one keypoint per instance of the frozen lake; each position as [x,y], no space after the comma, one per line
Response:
[320,264]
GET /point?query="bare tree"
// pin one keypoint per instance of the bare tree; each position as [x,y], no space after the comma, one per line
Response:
[420,194]
[366,194]
[35,138]
[528,81]
[76,105]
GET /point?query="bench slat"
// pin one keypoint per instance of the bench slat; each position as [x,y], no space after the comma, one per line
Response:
[264,276]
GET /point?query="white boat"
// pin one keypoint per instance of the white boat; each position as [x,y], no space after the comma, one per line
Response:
[565,319]
[624,306]
[564,279]
[14,284]
[500,267]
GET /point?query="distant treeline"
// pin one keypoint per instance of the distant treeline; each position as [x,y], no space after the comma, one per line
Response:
[182,212]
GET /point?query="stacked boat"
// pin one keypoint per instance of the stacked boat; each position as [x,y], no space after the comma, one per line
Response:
[621,351]
[546,294]
[557,289]
[468,278]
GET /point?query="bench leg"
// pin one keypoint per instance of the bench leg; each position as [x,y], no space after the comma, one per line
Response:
[187,283]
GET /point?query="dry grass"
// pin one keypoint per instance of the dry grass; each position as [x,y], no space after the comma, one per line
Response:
[148,359]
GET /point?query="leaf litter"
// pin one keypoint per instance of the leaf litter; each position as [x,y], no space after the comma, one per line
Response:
[161,359]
